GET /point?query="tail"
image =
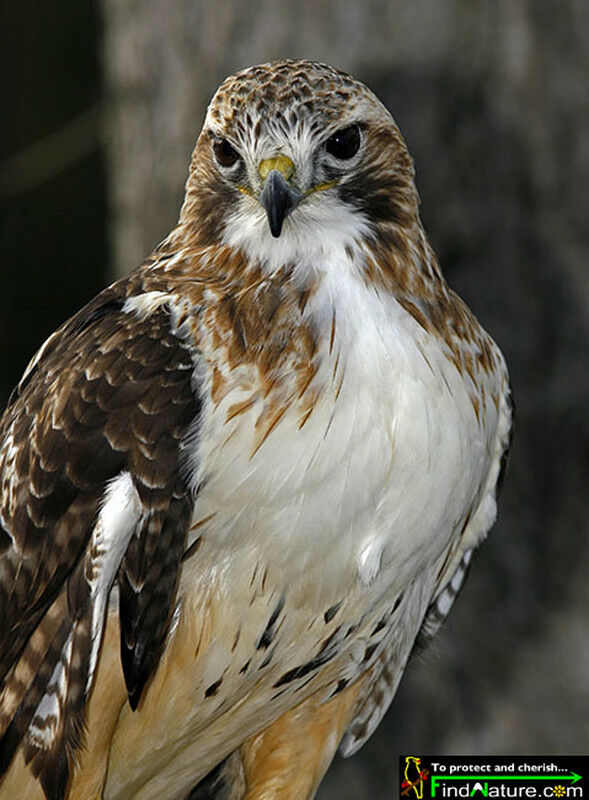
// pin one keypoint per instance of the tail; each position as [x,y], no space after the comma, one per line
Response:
[43,699]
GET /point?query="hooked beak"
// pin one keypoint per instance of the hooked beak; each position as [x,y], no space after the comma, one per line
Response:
[278,197]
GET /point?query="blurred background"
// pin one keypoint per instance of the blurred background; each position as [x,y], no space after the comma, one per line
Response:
[102,105]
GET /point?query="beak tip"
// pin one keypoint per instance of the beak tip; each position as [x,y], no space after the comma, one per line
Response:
[278,198]
[275,225]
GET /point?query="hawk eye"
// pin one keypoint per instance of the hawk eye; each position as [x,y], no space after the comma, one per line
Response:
[225,154]
[345,143]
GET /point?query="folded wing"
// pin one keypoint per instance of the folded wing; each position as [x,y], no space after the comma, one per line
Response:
[91,488]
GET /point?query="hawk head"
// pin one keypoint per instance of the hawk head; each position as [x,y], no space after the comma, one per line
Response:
[293,156]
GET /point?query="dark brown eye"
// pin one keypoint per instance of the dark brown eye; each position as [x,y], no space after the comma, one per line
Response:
[225,154]
[345,143]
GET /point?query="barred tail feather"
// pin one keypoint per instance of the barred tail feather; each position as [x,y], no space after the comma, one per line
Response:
[27,682]
[42,705]
[57,730]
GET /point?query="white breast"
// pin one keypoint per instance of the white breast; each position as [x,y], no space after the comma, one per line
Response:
[377,479]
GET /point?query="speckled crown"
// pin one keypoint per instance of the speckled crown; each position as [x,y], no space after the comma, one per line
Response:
[307,88]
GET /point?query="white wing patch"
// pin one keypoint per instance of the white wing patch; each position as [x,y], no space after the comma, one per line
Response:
[143,305]
[119,519]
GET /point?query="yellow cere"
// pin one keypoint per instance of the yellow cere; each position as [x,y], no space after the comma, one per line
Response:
[282,164]
[321,187]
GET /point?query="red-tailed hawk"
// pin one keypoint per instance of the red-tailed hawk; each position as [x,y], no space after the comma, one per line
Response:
[242,483]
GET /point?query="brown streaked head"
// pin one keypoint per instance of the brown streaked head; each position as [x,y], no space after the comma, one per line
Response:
[289,145]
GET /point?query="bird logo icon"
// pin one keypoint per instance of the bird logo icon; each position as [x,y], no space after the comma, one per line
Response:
[414,778]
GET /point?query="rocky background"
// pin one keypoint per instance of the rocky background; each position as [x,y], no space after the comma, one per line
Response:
[102,107]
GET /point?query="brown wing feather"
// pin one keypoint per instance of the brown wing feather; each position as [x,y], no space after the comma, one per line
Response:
[108,393]
[149,571]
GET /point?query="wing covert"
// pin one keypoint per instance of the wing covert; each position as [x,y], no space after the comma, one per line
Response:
[91,488]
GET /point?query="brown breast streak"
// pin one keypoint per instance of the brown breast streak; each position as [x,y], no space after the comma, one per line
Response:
[245,323]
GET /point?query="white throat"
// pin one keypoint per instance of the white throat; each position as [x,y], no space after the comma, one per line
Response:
[320,230]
